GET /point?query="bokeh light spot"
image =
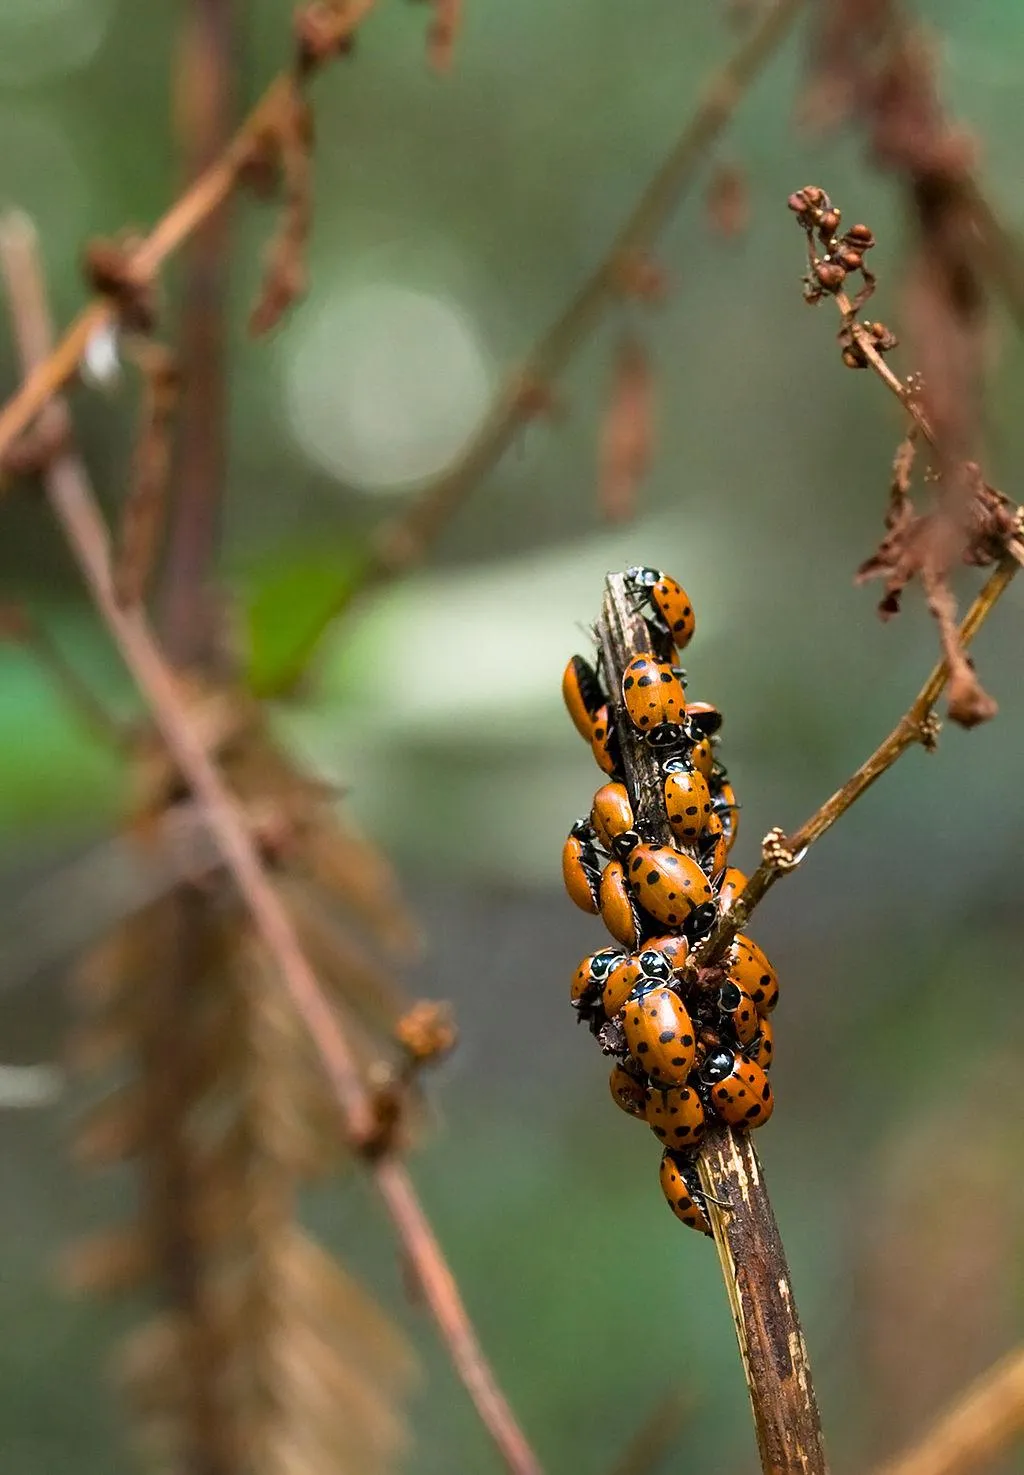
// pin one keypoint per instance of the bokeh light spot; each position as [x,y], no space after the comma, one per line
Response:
[45,39]
[385,384]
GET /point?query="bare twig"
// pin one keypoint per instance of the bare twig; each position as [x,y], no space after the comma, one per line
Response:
[206,106]
[750,1248]
[917,725]
[981,1423]
[76,511]
[335,25]
[403,540]
[656,1435]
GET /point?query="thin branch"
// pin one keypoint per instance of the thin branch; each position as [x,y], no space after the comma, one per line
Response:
[404,539]
[75,508]
[336,24]
[206,111]
[656,1435]
[917,725]
[750,1249]
[981,1423]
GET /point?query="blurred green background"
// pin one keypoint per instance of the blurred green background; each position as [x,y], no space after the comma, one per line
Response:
[453,220]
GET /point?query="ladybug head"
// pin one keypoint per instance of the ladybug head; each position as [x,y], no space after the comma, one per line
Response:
[717,1066]
[729,997]
[624,843]
[643,578]
[700,921]
[666,735]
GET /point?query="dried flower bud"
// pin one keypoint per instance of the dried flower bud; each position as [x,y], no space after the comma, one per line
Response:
[830,275]
[884,339]
[853,358]
[828,223]
[427,1031]
[860,237]
[849,260]
[815,196]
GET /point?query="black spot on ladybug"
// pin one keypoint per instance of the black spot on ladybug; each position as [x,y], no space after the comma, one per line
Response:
[666,1037]
[687,1040]
[652,878]
[754,1111]
[645,681]
[667,676]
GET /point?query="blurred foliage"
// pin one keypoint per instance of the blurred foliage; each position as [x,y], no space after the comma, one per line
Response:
[899,943]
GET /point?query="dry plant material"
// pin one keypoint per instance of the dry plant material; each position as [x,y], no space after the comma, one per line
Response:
[124,271]
[267,1354]
[443,33]
[627,432]
[979,1426]
[728,201]
[145,511]
[691,1045]
[287,147]
[339,1053]
[970,521]
[929,1300]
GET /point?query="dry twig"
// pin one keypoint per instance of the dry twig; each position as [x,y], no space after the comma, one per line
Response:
[79,518]
[323,30]
[625,271]
[981,1423]
[747,1237]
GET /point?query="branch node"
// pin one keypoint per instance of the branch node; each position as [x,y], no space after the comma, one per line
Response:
[775,851]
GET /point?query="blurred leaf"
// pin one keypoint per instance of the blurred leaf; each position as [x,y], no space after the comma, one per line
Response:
[287,610]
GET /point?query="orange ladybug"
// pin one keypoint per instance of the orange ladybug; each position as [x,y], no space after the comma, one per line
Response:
[659,1033]
[668,885]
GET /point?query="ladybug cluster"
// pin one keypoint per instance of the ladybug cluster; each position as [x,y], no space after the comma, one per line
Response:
[686,1049]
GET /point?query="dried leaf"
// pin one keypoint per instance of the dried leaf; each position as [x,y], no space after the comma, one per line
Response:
[284,280]
[443,33]
[728,201]
[142,520]
[627,432]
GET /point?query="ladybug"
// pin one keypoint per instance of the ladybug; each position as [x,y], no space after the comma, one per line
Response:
[589,978]
[641,970]
[681,1187]
[672,946]
[738,1007]
[700,922]
[725,805]
[749,967]
[675,1115]
[612,819]
[702,757]
[582,694]
[627,1092]
[617,907]
[653,698]
[667,884]
[687,800]
[581,867]
[738,1089]
[659,1034]
[734,883]
[604,742]
[761,1050]
[702,719]
[714,846]
[668,600]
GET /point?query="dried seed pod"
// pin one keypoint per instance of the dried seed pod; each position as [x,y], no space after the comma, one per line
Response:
[860,237]
[830,275]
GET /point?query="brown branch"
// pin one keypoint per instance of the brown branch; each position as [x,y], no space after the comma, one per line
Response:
[206,109]
[979,1426]
[335,24]
[750,1248]
[656,1435]
[404,539]
[74,506]
[783,853]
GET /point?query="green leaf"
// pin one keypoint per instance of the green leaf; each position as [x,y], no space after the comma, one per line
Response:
[289,610]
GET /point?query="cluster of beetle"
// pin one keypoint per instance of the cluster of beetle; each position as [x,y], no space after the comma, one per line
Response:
[686,1048]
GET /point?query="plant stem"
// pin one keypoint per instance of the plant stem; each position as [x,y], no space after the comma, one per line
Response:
[750,1248]
[980,1424]
[75,508]
[181,219]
